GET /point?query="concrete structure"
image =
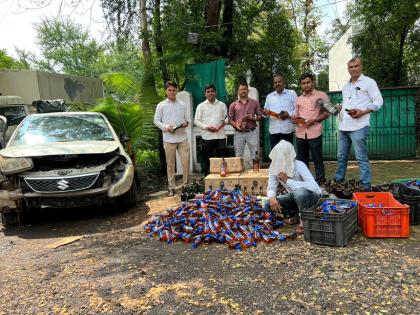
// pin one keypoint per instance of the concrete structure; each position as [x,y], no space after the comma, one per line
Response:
[338,56]
[36,85]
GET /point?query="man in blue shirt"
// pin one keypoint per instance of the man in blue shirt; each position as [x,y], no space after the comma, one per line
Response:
[281,102]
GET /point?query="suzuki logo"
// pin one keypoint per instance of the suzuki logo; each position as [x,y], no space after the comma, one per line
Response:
[62,184]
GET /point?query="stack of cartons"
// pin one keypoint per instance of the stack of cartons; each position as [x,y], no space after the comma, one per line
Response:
[249,180]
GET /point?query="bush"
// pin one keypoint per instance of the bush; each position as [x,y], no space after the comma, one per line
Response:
[148,161]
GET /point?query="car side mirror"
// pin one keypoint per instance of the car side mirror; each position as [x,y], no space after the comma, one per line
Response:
[124,137]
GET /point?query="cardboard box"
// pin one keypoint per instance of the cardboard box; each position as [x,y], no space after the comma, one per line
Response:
[234,165]
[214,180]
[256,182]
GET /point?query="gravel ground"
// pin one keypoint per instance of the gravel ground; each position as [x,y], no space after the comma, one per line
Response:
[117,269]
[114,268]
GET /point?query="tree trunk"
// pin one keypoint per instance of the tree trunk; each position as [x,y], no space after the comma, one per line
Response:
[399,80]
[144,35]
[212,14]
[157,32]
[149,98]
[228,26]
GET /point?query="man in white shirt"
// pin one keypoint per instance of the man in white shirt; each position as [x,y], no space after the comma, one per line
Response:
[210,117]
[171,117]
[361,96]
[282,102]
[295,177]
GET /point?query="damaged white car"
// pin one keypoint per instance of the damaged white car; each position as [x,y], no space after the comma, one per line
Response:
[64,160]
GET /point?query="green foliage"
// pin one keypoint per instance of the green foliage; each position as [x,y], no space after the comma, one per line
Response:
[148,160]
[122,83]
[8,62]
[124,117]
[66,47]
[265,42]
[322,81]
[386,36]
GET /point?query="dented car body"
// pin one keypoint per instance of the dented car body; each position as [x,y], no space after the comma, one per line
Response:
[64,160]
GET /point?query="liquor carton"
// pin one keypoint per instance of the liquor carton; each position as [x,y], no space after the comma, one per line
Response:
[234,165]
[251,181]
[214,180]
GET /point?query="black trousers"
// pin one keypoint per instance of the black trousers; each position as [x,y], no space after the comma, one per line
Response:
[304,146]
[277,137]
[212,148]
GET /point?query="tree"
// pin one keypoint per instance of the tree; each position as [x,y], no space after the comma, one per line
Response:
[312,50]
[66,47]
[385,34]
[8,62]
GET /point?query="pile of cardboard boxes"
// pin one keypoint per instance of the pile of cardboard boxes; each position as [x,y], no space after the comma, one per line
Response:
[250,181]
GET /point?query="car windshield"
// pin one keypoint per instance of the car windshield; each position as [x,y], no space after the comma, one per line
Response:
[48,129]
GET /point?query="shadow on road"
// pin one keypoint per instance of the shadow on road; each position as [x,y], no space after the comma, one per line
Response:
[54,223]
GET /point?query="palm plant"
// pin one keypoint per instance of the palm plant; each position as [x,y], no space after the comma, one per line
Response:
[134,91]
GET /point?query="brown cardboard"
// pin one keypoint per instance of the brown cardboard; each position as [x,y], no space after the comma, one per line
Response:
[251,181]
[214,180]
[234,165]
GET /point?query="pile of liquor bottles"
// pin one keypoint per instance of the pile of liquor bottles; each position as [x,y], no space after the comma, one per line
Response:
[333,206]
[343,189]
[189,191]
[219,216]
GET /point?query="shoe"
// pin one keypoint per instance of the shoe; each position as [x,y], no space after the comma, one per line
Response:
[171,192]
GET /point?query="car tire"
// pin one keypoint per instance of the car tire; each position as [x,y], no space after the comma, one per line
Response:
[9,219]
[129,199]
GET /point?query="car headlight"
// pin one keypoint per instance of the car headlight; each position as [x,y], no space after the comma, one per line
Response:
[15,165]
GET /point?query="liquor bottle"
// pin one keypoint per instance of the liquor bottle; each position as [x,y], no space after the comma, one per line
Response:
[223,167]
[220,125]
[243,124]
[178,126]
[256,163]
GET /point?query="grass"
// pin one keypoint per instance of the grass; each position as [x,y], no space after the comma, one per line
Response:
[382,171]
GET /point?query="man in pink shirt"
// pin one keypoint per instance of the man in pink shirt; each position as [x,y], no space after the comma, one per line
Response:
[308,119]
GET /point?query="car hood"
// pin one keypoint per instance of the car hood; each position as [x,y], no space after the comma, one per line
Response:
[59,148]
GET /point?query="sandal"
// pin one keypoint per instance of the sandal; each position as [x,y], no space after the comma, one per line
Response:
[291,221]
[299,229]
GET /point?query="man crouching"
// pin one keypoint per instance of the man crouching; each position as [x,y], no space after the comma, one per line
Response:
[303,190]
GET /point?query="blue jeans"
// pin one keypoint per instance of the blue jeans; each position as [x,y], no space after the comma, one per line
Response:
[296,201]
[359,139]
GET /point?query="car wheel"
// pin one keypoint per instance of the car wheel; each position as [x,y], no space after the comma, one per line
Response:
[9,219]
[129,199]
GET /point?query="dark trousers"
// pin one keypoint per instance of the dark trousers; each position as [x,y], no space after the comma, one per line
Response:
[277,137]
[212,148]
[315,147]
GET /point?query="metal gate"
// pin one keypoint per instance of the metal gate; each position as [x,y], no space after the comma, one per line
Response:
[393,129]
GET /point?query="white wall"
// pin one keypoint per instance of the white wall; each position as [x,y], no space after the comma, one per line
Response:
[338,57]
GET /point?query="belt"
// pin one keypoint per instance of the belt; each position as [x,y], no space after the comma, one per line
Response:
[246,130]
